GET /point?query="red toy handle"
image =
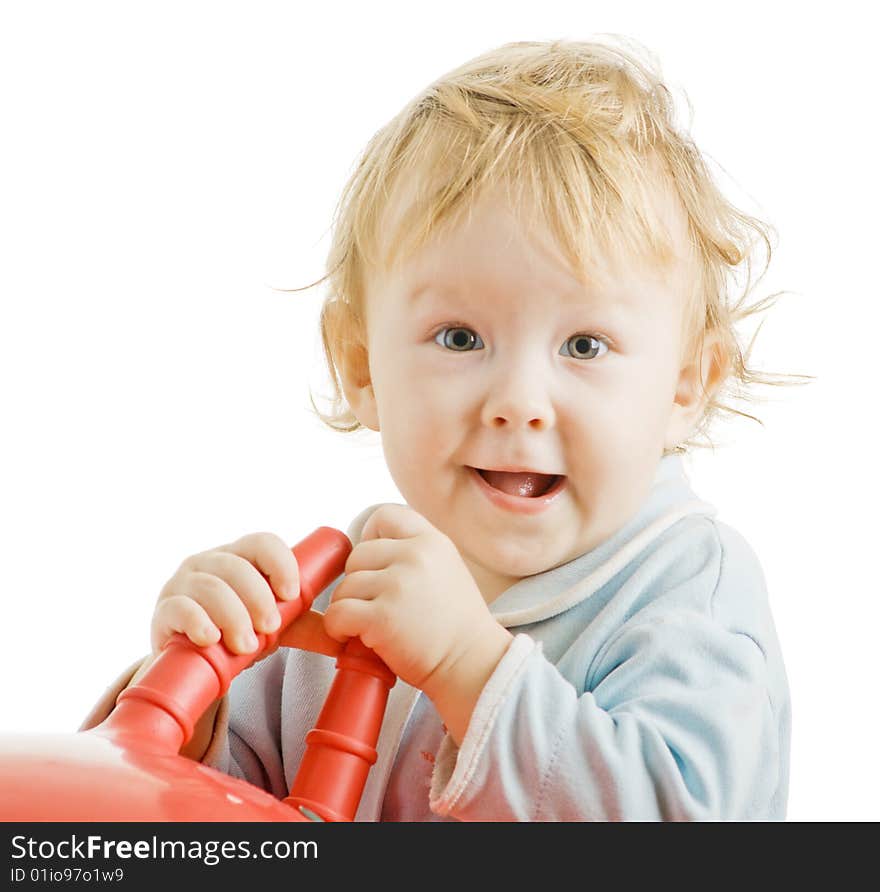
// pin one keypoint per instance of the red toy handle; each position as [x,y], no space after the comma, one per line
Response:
[160,710]
[341,747]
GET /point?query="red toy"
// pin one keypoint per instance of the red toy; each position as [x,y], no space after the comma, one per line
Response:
[128,768]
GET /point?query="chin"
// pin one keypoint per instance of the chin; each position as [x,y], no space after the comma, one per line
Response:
[510,560]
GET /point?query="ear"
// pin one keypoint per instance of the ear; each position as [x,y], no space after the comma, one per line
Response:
[698,381]
[353,365]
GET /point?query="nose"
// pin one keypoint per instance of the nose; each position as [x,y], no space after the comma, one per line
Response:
[518,400]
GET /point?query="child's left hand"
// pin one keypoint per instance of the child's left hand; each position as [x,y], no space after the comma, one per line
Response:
[409,596]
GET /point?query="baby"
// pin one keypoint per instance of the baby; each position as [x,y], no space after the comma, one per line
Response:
[529,302]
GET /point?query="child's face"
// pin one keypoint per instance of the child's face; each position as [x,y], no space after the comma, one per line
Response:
[507,385]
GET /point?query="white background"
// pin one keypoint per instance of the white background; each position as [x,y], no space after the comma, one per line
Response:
[164,165]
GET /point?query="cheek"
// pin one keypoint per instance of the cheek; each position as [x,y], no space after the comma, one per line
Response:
[612,426]
[424,393]
[420,420]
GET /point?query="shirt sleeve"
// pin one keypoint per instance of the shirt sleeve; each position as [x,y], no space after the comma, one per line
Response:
[675,724]
[107,701]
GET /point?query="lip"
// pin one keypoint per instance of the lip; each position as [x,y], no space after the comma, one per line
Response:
[519,504]
[518,469]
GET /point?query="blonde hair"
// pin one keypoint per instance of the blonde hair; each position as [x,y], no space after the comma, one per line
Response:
[584,129]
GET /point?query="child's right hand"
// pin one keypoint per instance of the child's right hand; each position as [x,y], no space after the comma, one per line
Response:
[229,590]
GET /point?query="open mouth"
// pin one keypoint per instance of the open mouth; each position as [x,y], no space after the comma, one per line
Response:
[520,483]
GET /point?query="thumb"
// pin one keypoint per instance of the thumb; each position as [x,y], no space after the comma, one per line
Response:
[306,632]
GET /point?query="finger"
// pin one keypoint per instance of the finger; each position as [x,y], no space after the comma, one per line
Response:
[308,633]
[222,604]
[350,619]
[271,555]
[179,614]
[392,521]
[375,554]
[363,585]
[246,581]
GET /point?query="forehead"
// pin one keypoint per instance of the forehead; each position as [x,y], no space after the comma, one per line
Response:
[490,227]
[496,243]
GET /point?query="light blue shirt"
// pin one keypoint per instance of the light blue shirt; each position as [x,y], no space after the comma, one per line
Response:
[644,682]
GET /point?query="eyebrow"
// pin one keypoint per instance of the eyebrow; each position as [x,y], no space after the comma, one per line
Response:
[571,299]
[421,290]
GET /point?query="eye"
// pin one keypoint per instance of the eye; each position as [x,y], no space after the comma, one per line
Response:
[584,346]
[458,338]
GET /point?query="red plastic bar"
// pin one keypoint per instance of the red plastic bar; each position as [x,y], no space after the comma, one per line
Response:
[341,748]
